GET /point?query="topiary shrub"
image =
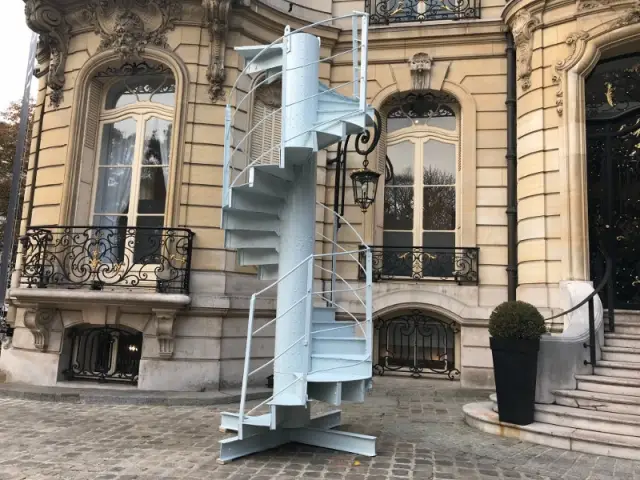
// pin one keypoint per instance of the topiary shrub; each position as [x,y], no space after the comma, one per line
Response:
[516,320]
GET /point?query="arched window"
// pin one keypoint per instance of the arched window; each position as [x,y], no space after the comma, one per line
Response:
[420,195]
[134,147]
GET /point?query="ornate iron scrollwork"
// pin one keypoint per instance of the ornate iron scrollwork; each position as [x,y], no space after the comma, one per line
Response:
[384,12]
[417,344]
[106,257]
[104,354]
[425,263]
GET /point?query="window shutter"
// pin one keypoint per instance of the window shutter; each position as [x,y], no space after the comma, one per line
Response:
[93,114]
[382,145]
[265,138]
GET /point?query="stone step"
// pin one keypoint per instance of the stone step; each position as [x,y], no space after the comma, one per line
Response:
[602,402]
[617,369]
[621,354]
[481,416]
[621,340]
[606,422]
[612,385]
[627,327]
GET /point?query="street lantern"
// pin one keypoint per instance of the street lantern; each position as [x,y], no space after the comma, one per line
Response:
[365,186]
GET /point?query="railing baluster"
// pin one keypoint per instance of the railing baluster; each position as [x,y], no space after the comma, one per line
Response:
[247,361]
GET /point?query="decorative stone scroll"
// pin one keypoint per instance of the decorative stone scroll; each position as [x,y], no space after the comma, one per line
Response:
[38,320]
[420,66]
[128,26]
[522,28]
[216,18]
[47,21]
[164,320]
[573,41]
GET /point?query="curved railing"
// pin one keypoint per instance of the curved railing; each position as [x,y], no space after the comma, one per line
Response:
[237,155]
[328,296]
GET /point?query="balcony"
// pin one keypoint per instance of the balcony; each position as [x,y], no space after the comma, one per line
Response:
[385,12]
[107,258]
[458,265]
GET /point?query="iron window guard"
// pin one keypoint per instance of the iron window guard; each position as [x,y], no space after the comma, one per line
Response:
[385,12]
[425,263]
[107,257]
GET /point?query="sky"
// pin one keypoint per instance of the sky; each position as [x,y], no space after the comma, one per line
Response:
[14,51]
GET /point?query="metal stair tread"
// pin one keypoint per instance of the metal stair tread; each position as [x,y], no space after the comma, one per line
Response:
[332,377]
[609,380]
[341,356]
[344,339]
[605,397]
[243,210]
[583,413]
[621,365]
[258,420]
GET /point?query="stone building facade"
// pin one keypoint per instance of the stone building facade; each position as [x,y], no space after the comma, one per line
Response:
[128,138]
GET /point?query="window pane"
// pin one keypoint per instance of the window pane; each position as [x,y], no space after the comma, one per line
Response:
[439,209]
[439,163]
[402,158]
[114,190]
[153,189]
[397,255]
[149,240]
[438,260]
[398,208]
[110,239]
[157,142]
[118,143]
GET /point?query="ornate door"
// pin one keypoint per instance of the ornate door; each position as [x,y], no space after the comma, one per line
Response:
[613,177]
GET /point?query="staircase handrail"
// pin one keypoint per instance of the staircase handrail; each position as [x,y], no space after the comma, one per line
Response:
[589,299]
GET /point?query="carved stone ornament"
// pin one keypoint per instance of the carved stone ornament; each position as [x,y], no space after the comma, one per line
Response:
[572,41]
[164,331]
[38,321]
[48,22]
[522,28]
[128,26]
[584,5]
[420,66]
[270,94]
[216,19]
[629,17]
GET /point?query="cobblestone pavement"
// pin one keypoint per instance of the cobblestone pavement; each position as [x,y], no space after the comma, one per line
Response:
[419,424]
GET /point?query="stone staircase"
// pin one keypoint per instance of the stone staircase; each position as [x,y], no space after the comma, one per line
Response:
[601,416]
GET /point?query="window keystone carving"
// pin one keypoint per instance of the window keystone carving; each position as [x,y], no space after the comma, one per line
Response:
[48,22]
[216,20]
[128,26]
[522,28]
[420,66]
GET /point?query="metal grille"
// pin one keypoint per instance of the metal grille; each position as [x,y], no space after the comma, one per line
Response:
[416,344]
[104,354]
[384,12]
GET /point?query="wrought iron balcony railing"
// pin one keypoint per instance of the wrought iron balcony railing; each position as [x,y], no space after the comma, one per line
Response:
[384,12]
[425,263]
[107,257]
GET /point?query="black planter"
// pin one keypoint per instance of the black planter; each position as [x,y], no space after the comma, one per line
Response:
[515,364]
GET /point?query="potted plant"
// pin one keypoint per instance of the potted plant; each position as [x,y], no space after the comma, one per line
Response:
[515,329]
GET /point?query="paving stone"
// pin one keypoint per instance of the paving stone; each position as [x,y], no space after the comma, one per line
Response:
[419,424]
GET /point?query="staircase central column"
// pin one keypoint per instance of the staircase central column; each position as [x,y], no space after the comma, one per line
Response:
[297,236]
[297,219]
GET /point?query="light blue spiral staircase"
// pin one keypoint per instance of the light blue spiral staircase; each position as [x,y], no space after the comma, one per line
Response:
[269,218]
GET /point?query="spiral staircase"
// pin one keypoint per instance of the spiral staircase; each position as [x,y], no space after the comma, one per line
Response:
[268,215]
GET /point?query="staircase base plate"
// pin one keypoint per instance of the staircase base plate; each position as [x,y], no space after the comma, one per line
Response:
[318,433]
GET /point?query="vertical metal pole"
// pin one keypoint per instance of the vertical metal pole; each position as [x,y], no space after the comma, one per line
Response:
[592,336]
[247,362]
[364,52]
[226,173]
[7,248]
[369,300]
[512,172]
[308,317]
[354,43]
